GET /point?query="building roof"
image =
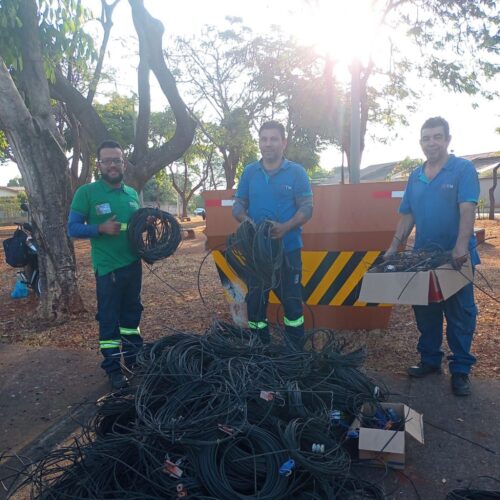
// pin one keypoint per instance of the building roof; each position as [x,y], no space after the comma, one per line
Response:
[13,189]
[381,171]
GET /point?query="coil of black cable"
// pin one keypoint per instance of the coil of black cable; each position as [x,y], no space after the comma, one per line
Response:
[153,234]
[252,252]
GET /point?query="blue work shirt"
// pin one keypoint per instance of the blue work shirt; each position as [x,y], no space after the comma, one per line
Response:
[274,196]
[434,204]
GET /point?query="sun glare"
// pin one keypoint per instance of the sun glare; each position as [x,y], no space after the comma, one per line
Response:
[343,29]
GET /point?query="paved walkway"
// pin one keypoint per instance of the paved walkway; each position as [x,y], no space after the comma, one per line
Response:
[45,393]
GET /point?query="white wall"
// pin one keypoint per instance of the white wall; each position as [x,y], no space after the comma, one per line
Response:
[485,185]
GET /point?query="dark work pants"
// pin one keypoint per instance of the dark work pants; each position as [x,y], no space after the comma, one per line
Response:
[119,312]
[460,312]
[289,291]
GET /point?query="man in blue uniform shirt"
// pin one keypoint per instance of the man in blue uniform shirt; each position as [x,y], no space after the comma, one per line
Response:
[276,189]
[440,201]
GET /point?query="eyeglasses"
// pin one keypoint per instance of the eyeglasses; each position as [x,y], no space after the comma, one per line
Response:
[111,161]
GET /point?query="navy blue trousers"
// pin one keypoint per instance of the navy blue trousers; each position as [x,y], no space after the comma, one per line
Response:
[119,311]
[289,291]
[460,312]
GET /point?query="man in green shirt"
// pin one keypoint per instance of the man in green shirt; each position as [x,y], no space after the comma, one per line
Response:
[100,211]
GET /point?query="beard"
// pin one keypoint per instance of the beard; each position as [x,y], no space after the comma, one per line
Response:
[112,180]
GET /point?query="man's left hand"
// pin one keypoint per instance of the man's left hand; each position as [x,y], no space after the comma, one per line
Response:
[278,230]
[459,257]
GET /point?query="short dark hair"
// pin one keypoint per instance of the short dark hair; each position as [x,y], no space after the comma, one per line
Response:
[437,121]
[108,144]
[273,124]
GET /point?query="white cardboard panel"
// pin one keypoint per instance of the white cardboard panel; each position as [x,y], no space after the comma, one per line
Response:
[396,288]
[381,440]
[451,280]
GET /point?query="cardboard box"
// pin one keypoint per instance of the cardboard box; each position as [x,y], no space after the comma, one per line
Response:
[415,287]
[387,447]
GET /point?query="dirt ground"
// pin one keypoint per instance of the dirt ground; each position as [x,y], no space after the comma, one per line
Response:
[184,293]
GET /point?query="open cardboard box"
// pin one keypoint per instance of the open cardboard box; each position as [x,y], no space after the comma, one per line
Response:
[387,447]
[415,287]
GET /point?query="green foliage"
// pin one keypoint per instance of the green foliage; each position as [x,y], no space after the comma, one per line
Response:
[4,148]
[309,99]
[404,168]
[61,27]
[161,127]
[198,201]
[218,66]
[319,174]
[9,206]
[22,197]
[119,117]
[159,189]
[459,41]
[16,182]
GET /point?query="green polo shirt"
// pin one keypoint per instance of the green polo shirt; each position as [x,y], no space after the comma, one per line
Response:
[98,202]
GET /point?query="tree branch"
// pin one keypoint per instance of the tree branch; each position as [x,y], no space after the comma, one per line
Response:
[37,97]
[150,32]
[13,110]
[143,116]
[107,23]
[62,90]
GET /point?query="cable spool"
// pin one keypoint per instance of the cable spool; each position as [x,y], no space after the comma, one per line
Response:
[251,251]
[153,234]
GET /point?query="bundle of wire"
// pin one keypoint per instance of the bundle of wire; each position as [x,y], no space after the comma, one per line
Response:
[153,234]
[252,253]
[219,416]
[419,260]
[472,492]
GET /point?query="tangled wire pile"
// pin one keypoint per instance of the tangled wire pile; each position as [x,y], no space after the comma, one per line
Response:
[153,234]
[220,416]
[252,252]
[413,261]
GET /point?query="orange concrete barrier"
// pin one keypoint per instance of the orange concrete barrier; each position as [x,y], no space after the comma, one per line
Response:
[351,227]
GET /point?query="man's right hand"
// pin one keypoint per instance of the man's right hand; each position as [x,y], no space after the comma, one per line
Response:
[111,227]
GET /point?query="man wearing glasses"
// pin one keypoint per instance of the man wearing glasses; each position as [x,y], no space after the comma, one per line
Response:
[100,211]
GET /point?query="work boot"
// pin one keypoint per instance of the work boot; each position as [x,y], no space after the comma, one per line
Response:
[117,380]
[421,370]
[460,384]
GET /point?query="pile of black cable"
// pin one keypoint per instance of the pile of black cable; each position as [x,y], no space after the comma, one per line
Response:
[220,416]
[252,252]
[153,234]
[472,492]
[413,261]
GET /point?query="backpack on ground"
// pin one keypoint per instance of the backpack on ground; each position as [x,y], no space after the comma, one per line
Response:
[16,250]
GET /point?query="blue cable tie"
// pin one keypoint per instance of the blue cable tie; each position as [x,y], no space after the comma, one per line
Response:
[287,467]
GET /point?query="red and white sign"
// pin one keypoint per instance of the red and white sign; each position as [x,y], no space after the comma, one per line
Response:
[388,194]
[219,203]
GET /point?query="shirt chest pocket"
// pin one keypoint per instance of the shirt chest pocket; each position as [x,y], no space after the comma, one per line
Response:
[448,192]
[102,208]
[283,191]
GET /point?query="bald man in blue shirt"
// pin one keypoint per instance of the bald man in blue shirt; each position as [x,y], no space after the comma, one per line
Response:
[276,189]
[440,201]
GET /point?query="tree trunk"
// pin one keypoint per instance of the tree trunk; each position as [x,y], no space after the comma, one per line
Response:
[44,169]
[184,207]
[492,193]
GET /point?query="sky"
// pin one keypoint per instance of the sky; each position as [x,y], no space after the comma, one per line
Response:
[343,26]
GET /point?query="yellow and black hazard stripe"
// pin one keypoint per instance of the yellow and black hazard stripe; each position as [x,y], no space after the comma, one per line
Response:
[333,278]
[328,278]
